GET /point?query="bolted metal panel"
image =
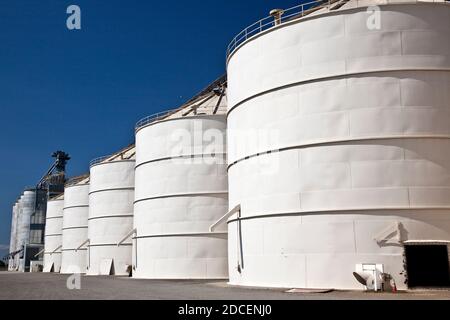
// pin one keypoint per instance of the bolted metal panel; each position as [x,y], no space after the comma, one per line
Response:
[75,228]
[53,235]
[110,215]
[336,133]
[181,190]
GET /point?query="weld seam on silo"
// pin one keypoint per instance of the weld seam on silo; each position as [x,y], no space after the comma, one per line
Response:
[182,195]
[317,16]
[110,245]
[337,142]
[54,235]
[110,162]
[336,211]
[341,76]
[74,228]
[188,156]
[112,216]
[186,234]
[115,189]
[74,207]
[176,119]
[52,218]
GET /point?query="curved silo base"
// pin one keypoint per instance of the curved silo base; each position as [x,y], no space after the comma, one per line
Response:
[182,257]
[321,251]
[74,261]
[109,260]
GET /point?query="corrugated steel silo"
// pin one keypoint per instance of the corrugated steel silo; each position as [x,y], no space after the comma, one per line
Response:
[181,190]
[339,143]
[111,213]
[75,226]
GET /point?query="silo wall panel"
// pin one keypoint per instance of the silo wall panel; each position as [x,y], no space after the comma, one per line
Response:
[111,216]
[337,132]
[178,199]
[75,229]
[53,236]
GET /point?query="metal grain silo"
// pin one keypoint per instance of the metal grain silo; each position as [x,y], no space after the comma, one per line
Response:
[27,209]
[339,149]
[111,213]
[12,243]
[53,234]
[181,190]
[75,226]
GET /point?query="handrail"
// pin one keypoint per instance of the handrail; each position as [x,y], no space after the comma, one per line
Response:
[269,22]
[98,160]
[153,118]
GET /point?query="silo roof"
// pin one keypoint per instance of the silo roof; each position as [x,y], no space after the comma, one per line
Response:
[128,153]
[210,101]
[79,180]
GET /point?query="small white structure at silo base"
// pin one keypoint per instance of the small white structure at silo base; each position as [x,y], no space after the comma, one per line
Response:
[75,226]
[358,125]
[111,214]
[181,190]
[53,234]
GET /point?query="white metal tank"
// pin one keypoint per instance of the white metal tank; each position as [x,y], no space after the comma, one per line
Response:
[53,234]
[111,214]
[12,243]
[75,226]
[181,190]
[339,143]
[28,202]
[16,244]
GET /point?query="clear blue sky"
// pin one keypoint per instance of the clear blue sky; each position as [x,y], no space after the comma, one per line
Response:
[82,91]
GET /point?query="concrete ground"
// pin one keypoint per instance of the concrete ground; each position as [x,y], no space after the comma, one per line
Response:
[39,286]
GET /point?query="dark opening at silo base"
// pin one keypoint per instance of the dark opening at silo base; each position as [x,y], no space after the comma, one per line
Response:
[427,266]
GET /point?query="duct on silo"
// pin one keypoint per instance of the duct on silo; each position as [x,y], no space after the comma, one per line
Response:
[23,229]
[53,235]
[110,217]
[357,143]
[181,190]
[75,228]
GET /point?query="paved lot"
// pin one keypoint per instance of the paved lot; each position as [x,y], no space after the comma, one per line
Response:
[19,286]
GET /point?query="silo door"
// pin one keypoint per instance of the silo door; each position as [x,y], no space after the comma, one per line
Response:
[427,266]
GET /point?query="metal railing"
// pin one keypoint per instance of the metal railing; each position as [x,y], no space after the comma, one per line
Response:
[153,118]
[98,160]
[270,22]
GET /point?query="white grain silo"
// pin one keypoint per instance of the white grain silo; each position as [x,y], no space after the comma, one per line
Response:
[182,190]
[75,226]
[12,243]
[28,202]
[339,145]
[111,213]
[16,256]
[53,234]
